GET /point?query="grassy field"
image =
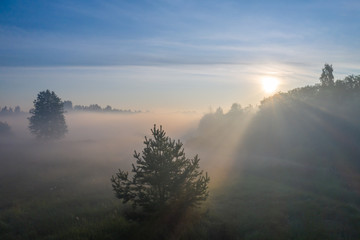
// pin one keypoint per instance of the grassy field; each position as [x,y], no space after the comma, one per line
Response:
[288,202]
[62,197]
[55,197]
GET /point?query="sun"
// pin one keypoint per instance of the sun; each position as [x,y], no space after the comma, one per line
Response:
[269,84]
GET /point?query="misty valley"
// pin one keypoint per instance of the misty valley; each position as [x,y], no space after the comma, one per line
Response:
[285,169]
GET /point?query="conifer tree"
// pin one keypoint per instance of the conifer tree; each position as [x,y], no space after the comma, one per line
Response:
[162,177]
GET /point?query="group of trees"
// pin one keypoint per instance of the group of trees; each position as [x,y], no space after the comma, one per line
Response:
[97,108]
[350,82]
[216,127]
[340,94]
[68,106]
[9,111]
[5,129]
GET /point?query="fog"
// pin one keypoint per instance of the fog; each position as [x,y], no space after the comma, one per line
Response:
[69,178]
[97,136]
[95,147]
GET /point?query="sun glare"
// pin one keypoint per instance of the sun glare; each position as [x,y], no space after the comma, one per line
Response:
[269,84]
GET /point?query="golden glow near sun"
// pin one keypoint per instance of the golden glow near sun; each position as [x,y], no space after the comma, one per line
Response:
[269,84]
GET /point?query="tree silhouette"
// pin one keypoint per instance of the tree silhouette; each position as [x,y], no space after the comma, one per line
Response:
[327,77]
[68,106]
[47,120]
[17,109]
[163,177]
[5,129]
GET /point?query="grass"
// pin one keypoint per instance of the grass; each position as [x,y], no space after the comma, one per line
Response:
[287,203]
[68,196]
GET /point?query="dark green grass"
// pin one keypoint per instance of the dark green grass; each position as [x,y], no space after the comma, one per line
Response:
[288,201]
[57,197]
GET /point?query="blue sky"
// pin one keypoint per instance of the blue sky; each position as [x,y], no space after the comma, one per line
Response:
[183,55]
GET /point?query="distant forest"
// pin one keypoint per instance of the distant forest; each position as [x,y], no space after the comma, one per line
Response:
[68,107]
[9,110]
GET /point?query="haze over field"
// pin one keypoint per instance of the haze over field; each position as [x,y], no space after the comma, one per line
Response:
[113,137]
[107,135]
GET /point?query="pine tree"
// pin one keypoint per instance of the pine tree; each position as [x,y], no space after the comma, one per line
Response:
[163,177]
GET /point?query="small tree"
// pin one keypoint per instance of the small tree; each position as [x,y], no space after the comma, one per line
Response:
[5,129]
[163,177]
[47,120]
[68,106]
[17,109]
[327,77]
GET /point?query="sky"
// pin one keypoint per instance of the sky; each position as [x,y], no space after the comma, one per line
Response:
[171,55]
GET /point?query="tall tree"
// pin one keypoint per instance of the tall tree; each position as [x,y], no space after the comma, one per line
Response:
[163,177]
[327,77]
[47,120]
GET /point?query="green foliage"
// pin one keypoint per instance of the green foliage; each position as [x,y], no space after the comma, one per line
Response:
[47,120]
[163,177]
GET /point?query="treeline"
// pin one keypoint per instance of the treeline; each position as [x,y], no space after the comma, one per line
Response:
[339,94]
[218,128]
[68,106]
[5,129]
[331,99]
[5,111]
